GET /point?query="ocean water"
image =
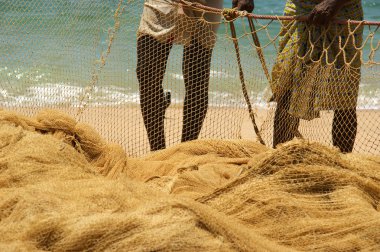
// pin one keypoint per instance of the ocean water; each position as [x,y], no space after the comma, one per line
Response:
[50,51]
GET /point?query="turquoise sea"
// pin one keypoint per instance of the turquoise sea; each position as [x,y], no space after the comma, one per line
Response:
[50,51]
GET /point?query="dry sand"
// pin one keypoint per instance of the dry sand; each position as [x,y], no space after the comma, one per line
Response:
[123,125]
[319,129]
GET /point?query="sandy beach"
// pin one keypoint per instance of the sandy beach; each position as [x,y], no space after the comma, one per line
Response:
[124,125]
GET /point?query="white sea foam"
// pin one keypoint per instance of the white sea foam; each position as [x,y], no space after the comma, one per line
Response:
[213,74]
[176,76]
[68,94]
[113,96]
[3,94]
[369,100]
[45,95]
[37,77]
[220,74]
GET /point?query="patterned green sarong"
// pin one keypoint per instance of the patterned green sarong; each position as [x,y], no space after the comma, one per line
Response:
[319,66]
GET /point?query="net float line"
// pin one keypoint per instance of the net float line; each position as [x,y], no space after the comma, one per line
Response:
[237,13]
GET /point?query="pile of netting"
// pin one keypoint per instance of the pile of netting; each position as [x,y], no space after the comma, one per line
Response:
[63,188]
[126,67]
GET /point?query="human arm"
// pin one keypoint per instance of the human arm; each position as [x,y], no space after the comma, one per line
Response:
[243,5]
[326,11]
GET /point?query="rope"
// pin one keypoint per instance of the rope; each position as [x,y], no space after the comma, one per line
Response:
[85,98]
[230,15]
[268,17]
[227,13]
[258,48]
[259,51]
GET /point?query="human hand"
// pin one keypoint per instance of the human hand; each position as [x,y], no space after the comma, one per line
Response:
[325,12]
[243,5]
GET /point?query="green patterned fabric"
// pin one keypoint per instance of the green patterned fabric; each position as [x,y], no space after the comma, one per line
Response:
[319,66]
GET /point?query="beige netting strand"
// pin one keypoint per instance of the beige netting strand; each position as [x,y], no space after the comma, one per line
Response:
[208,195]
[194,69]
[150,74]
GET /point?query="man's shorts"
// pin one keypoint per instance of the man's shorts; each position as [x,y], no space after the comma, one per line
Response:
[168,22]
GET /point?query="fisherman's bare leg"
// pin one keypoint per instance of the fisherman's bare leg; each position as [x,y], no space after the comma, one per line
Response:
[152,57]
[285,125]
[344,129]
[196,71]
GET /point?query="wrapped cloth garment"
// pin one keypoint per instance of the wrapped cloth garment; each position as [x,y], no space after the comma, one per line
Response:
[319,66]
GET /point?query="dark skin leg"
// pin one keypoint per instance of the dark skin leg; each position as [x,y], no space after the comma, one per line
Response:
[344,129]
[345,123]
[196,72]
[152,57]
[285,125]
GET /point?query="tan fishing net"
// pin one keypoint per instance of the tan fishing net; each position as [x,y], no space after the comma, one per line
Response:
[64,187]
[172,71]
[208,195]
